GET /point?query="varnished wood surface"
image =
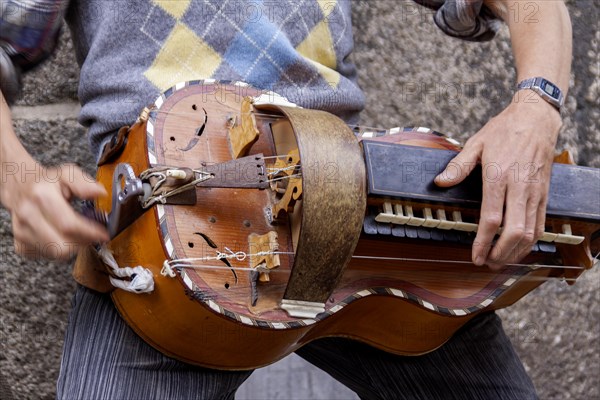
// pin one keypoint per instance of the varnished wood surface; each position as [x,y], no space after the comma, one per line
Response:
[183,327]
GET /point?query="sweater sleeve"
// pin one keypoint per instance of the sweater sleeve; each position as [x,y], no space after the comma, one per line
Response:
[464,19]
[28,35]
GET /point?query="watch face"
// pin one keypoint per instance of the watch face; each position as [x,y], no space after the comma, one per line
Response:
[548,88]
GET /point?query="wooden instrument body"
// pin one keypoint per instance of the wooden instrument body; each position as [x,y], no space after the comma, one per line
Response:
[205,316]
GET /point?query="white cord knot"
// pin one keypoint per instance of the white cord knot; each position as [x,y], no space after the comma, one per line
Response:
[167,270]
[141,281]
[136,280]
[240,255]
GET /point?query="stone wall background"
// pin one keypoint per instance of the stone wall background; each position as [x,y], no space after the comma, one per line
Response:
[412,75]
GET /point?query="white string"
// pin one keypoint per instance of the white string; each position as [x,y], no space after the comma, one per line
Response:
[425,260]
[278,170]
[174,264]
[239,256]
[212,267]
[284,177]
[162,198]
[264,115]
[169,265]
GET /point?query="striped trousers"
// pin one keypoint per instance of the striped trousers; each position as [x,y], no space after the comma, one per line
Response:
[104,359]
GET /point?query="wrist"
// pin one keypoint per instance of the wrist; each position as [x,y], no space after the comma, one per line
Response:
[528,101]
[540,119]
[16,167]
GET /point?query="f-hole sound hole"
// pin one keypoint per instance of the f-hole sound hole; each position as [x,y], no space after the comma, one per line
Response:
[226,285]
[191,245]
[172,138]
[194,107]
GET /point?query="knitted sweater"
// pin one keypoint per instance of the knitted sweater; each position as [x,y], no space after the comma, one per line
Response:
[132,50]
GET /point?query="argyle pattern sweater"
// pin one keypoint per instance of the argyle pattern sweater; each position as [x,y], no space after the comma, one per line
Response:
[130,51]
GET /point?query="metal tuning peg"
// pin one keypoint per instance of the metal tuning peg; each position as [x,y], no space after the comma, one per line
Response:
[127,191]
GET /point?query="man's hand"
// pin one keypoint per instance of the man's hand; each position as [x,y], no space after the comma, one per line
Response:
[43,221]
[515,150]
[516,147]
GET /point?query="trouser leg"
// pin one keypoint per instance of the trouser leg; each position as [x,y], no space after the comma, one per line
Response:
[479,362]
[104,359]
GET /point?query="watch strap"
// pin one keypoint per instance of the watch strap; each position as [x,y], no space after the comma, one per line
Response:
[526,83]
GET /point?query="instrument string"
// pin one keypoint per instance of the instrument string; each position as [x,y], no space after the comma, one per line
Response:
[230,255]
[284,177]
[415,277]
[161,175]
[275,171]
[261,115]
[423,273]
[240,256]
[187,263]
[406,259]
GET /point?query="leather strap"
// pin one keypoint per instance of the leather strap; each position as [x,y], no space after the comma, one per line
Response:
[113,148]
[333,203]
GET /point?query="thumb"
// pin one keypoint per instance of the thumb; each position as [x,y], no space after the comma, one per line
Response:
[458,168]
[75,182]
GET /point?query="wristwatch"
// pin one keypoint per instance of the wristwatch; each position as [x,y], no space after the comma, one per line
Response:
[546,89]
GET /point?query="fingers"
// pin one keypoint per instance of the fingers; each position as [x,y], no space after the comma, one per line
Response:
[48,246]
[515,204]
[43,218]
[523,224]
[79,184]
[513,233]
[69,224]
[540,220]
[534,228]
[460,166]
[53,224]
[490,220]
